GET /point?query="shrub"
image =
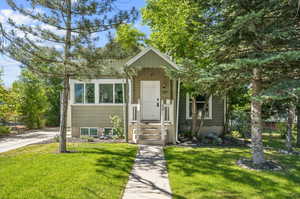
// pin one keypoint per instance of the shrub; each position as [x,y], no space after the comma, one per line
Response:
[186,134]
[116,121]
[56,138]
[87,138]
[4,130]
[241,123]
[281,128]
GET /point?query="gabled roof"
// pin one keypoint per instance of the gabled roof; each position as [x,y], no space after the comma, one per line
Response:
[148,50]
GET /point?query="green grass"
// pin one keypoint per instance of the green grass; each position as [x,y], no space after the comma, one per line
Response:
[93,170]
[211,173]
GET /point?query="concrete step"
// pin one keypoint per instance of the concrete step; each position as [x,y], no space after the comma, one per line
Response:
[151,142]
[148,126]
[150,131]
[151,136]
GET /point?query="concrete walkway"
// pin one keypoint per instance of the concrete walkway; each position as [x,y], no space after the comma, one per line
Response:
[149,177]
[17,141]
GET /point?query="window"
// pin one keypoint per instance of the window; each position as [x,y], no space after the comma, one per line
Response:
[86,131]
[98,91]
[90,93]
[94,132]
[106,93]
[111,93]
[118,93]
[200,101]
[108,131]
[79,88]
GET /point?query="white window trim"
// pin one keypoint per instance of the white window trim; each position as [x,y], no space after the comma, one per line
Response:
[209,108]
[89,128]
[96,82]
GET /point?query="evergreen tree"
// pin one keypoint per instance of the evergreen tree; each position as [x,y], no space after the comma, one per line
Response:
[70,25]
[258,44]
[288,93]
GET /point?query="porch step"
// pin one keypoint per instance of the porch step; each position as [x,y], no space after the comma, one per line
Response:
[146,131]
[151,142]
[150,126]
[150,136]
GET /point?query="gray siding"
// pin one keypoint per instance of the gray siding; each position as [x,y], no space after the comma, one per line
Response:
[217,114]
[94,116]
[150,60]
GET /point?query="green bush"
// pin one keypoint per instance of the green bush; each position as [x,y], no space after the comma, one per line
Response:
[87,138]
[281,128]
[4,130]
[56,138]
[241,123]
[186,134]
[116,121]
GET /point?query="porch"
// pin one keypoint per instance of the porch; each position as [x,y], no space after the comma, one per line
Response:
[153,99]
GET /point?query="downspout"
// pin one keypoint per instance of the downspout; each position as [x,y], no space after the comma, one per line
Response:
[125,89]
[177,110]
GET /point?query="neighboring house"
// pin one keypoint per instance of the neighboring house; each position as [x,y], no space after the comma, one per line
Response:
[157,109]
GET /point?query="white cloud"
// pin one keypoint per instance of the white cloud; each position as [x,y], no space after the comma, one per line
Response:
[18,18]
[53,29]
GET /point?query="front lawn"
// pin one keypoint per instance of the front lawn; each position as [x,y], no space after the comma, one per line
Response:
[211,173]
[91,171]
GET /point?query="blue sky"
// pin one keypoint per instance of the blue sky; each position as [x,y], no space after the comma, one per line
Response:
[11,69]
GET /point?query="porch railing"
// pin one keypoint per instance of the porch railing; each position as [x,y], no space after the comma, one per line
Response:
[134,112]
[168,111]
[166,118]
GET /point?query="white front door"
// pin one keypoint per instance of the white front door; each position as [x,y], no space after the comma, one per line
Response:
[150,100]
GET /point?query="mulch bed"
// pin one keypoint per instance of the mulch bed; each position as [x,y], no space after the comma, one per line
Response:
[226,142]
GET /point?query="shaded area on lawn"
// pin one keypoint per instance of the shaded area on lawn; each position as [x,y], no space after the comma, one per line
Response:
[212,173]
[92,170]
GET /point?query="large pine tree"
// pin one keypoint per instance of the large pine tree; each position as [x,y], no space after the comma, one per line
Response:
[258,44]
[64,36]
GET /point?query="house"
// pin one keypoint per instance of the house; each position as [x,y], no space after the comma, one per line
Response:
[158,110]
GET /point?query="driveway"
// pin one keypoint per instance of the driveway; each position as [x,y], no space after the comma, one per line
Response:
[17,141]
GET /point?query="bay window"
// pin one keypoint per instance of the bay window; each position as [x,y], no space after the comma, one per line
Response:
[96,92]
[90,93]
[111,93]
[118,93]
[106,93]
[79,93]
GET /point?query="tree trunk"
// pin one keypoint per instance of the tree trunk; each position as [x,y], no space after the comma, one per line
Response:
[194,118]
[298,125]
[256,121]
[64,115]
[63,121]
[202,116]
[288,137]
